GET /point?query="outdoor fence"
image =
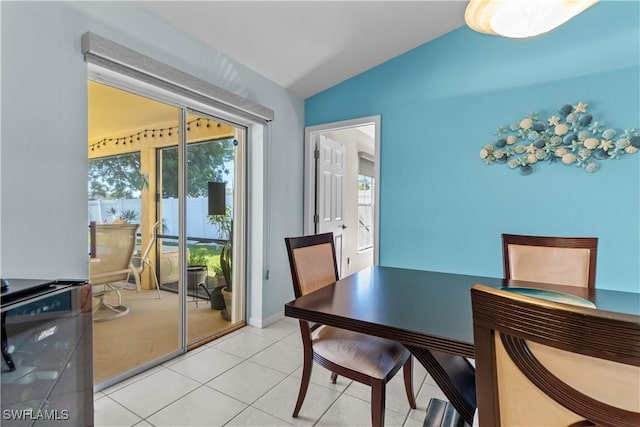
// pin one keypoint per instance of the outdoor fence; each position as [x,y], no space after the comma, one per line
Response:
[196,209]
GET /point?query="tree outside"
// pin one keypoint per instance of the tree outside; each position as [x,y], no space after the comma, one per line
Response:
[119,177]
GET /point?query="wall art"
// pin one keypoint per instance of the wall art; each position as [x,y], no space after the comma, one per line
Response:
[571,137]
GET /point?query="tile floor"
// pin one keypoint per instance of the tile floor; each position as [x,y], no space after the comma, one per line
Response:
[251,377]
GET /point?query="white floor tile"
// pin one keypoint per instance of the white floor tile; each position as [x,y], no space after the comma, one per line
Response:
[280,402]
[281,357]
[322,377]
[256,367]
[413,422]
[132,380]
[154,392]
[109,413]
[255,418]
[352,412]
[276,331]
[202,407]
[206,365]
[294,338]
[244,344]
[247,381]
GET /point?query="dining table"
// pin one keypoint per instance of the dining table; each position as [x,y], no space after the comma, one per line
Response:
[428,312]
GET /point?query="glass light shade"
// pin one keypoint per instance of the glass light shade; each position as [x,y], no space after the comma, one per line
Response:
[521,18]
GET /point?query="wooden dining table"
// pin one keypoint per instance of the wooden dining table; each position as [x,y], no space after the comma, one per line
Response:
[430,313]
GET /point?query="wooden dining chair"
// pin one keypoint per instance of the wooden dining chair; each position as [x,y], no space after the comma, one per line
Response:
[363,358]
[542,363]
[569,261]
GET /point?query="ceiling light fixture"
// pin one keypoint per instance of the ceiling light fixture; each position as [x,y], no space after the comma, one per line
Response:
[521,18]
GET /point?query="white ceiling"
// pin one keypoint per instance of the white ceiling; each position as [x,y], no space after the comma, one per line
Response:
[309,46]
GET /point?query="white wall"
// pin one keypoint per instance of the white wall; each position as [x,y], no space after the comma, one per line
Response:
[44,134]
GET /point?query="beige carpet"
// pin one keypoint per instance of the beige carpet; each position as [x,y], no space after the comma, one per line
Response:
[149,331]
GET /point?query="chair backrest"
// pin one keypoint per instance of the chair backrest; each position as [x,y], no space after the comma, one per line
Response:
[154,236]
[569,261]
[115,244]
[313,262]
[541,363]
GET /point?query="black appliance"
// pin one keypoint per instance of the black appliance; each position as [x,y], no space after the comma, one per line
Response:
[47,353]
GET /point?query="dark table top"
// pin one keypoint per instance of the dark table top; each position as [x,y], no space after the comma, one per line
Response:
[422,308]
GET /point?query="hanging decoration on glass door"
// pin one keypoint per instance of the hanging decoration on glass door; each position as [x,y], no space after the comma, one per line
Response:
[571,137]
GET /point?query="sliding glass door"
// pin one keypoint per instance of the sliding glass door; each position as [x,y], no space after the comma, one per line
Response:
[180,176]
[214,173]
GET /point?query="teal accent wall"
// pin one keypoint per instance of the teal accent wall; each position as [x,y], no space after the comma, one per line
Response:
[441,207]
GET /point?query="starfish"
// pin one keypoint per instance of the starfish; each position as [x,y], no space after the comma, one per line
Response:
[501,130]
[580,108]
[531,149]
[605,145]
[533,115]
[596,127]
[576,145]
[554,120]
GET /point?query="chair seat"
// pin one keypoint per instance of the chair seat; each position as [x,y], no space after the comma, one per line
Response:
[370,355]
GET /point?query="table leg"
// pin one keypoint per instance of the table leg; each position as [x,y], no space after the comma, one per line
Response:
[454,375]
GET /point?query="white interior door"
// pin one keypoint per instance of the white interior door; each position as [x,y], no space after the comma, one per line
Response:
[330,191]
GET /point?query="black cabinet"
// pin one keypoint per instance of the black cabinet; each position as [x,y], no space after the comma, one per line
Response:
[47,373]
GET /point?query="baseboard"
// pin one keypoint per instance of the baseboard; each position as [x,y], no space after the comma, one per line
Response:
[263,323]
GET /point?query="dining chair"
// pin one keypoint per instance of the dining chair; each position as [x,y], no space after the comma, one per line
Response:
[114,246]
[143,260]
[569,261]
[369,360]
[543,363]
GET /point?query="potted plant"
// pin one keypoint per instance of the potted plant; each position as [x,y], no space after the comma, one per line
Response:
[197,270]
[225,227]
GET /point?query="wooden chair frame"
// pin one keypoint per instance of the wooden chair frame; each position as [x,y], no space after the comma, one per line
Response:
[518,319]
[590,243]
[378,386]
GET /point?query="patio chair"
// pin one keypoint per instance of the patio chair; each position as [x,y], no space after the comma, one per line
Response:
[111,262]
[144,260]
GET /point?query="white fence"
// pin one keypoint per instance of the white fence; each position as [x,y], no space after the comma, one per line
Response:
[197,208]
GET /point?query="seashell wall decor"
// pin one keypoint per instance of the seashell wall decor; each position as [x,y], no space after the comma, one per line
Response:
[571,137]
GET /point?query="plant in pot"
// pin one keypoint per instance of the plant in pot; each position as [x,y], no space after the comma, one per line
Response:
[197,271]
[225,227]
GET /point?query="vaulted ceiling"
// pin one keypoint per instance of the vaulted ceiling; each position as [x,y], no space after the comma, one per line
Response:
[304,46]
[309,46]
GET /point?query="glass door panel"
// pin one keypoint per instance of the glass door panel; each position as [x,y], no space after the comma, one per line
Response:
[214,254]
[126,131]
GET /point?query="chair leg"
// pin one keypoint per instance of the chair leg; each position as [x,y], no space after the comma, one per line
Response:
[136,276]
[304,381]
[334,377]
[407,371]
[155,277]
[377,402]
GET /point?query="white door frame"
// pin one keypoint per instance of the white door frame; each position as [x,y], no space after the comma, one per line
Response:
[310,133]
